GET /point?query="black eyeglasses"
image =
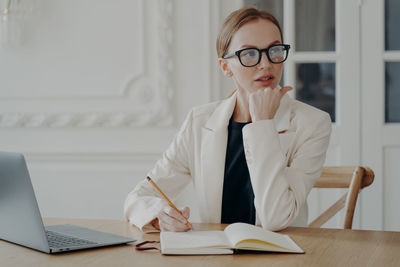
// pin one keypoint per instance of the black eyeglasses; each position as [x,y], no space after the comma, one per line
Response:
[249,57]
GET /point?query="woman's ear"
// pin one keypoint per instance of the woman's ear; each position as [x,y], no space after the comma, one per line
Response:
[223,64]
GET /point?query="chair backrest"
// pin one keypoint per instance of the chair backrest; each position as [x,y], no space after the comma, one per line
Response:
[352,177]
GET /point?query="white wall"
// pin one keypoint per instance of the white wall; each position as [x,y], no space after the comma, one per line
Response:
[95,93]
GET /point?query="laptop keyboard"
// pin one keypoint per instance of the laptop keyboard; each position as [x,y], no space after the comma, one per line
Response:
[57,240]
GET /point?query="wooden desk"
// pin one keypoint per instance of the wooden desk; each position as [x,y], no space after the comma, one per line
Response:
[323,247]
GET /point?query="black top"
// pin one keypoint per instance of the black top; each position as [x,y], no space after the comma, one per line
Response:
[238,195]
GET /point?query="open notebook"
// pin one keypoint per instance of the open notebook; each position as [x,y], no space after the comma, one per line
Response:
[237,236]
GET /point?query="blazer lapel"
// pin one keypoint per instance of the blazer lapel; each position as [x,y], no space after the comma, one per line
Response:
[282,116]
[213,152]
[282,124]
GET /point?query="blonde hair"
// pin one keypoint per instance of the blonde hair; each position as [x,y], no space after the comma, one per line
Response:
[237,19]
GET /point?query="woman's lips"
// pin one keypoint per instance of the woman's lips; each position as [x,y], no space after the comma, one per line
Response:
[265,82]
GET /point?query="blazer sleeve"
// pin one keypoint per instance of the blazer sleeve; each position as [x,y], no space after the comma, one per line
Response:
[171,173]
[281,187]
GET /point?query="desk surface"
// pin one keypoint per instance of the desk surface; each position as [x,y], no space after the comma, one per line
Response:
[323,247]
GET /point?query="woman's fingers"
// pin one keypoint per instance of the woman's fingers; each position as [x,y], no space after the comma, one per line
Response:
[186,212]
[168,223]
[285,89]
[173,227]
[263,104]
[175,214]
[171,220]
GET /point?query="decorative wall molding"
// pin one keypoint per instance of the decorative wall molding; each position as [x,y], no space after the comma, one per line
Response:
[86,120]
[164,54]
[96,157]
[151,98]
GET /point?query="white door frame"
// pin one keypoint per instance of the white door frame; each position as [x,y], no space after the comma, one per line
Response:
[379,209]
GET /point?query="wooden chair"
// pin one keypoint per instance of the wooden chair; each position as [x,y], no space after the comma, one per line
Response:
[354,178]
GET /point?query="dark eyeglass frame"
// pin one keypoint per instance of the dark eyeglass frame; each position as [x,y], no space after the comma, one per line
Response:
[260,51]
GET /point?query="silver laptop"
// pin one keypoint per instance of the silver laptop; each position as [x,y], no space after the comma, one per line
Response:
[21,222]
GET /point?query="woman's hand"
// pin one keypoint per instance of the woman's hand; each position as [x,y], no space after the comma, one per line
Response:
[168,219]
[263,104]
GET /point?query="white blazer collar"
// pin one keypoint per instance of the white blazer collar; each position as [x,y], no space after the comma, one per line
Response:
[222,114]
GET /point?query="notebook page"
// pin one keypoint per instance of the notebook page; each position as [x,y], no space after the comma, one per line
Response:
[193,240]
[241,231]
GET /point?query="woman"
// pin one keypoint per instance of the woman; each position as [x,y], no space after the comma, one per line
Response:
[253,157]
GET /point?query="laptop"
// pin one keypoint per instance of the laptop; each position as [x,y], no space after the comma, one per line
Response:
[21,222]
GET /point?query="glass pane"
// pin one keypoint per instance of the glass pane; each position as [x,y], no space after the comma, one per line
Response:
[315,85]
[392,22]
[315,25]
[272,6]
[392,92]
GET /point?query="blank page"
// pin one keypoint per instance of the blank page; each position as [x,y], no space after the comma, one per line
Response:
[193,240]
[241,231]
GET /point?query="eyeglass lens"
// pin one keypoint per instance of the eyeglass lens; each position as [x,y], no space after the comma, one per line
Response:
[251,56]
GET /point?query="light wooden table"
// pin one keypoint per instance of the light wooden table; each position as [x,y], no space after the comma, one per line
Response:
[323,247]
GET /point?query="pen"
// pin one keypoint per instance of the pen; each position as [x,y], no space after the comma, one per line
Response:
[166,198]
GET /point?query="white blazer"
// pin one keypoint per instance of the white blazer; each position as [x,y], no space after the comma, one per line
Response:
[284,156]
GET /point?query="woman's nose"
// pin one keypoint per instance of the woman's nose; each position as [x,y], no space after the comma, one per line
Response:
[264,61]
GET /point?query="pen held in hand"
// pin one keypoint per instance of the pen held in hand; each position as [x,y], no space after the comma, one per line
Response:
[166,198]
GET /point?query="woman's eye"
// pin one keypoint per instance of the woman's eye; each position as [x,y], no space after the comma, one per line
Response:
[250,53]
[276,50]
